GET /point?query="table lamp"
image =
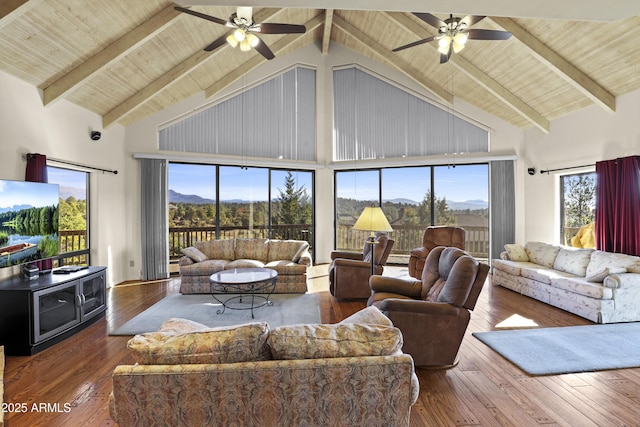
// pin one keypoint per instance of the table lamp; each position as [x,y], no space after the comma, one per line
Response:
[372,219]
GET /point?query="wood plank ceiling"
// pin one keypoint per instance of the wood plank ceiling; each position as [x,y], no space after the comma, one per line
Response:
[126,60]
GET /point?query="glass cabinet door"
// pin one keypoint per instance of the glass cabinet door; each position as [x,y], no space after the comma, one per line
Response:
[55,310]
[92,295]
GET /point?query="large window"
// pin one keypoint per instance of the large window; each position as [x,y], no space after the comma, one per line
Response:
[578,194]
[73,216]
[224,202]
[414,198]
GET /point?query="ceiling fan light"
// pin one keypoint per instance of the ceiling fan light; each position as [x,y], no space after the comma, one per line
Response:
[443,45]
[245,46]
[461,38]
[232,40]
[253,40]
[239,35]
[457,47]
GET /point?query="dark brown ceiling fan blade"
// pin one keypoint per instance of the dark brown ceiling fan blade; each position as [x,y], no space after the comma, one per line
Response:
[218,42]
[488,35]
[264,50]
[201,15]
[430,19]
[445,57]
[419,42]
[271,28]
[472,19]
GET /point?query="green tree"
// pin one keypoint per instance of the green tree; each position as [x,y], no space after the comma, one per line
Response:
[294,206]
[579,200]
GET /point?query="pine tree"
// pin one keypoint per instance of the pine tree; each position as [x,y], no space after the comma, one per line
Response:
[294,206]
[580,196]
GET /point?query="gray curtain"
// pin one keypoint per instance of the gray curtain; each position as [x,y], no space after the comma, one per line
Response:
[403,125]
[154,221]
[503,205]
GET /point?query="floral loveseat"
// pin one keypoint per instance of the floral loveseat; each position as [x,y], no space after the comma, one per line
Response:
[290,258]
[601,286]
[346,374]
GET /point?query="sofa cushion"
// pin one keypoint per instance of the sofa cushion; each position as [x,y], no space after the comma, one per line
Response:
[543,274]
[251,249]
[581,286]
[317,341]
[244,263]
[217,249]
[204,268]
[516,252]
[194,253]
[600,275]
[285,250]
[541,253]
[287,267]
[230,344]
[370,316]
[601,259]
[573,261]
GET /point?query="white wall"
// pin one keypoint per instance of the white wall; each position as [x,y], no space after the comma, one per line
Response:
[582,138]
[61,131]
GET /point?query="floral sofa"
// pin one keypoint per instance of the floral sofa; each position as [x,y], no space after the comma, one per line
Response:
[346,374]
[290,258]
[601,286]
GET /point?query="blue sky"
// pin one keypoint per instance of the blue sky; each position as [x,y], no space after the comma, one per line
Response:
[67,178]
[27,193]
[236,183]
[460,183]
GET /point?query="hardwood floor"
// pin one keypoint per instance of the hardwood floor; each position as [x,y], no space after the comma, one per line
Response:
[483,390]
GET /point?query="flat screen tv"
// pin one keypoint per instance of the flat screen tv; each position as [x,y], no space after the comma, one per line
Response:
[28,221]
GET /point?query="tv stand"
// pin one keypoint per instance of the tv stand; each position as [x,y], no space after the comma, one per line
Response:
[36,314]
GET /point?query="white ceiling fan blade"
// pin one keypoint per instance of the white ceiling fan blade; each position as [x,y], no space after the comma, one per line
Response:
[245,13]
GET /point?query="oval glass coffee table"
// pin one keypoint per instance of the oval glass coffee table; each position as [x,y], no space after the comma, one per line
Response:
[257,284]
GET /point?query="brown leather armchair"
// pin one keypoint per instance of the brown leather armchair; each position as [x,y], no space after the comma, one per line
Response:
[432,313]
[442,235]
[349,272]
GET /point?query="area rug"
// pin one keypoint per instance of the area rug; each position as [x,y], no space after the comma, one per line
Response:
[287,309]
[562,350]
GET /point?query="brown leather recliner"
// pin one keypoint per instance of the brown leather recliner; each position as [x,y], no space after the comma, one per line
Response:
[432,313]
[441,235]
[349,272]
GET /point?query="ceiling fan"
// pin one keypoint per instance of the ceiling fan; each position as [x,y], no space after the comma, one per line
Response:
[243,30]
[453,34]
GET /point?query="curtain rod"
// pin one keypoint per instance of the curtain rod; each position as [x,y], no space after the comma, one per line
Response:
[564,169]
[115,172]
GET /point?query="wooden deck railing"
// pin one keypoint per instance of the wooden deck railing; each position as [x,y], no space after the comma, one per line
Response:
[73,247]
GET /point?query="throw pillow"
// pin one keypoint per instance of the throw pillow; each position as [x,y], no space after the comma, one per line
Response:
[599,276]
[300,251]
[370,316]
[229,344]
[178,326]
[318,341]
[516,253]
[195,254]
[541,253]
[574,261]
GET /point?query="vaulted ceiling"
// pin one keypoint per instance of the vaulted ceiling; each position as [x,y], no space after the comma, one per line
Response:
[125,60]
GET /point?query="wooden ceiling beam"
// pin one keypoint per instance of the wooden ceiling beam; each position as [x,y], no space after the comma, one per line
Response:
[10,10]
[276,47]
[402,66]
[170,77]
[109,54]
[477,75]
[559,65]
[326,33]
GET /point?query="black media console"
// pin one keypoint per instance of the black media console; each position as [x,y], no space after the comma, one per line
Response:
[35,314]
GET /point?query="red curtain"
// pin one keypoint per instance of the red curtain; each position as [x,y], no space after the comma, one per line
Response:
[618,205]
[37,172]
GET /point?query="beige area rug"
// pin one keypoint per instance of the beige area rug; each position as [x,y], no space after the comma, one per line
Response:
[287,309]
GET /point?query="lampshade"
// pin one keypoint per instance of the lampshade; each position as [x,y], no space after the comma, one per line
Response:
[372,219]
